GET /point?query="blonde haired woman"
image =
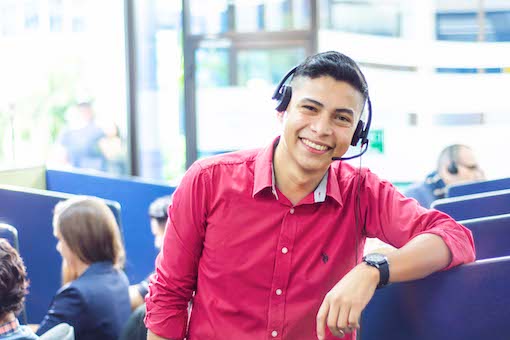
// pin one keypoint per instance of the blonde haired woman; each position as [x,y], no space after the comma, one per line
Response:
[94,298]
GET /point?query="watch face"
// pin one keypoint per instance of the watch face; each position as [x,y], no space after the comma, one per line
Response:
[376,258]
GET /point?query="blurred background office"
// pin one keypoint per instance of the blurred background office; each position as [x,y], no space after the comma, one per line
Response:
[186,79]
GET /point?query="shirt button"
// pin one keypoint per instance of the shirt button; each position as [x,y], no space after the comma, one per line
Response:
[285,250]
[274,334]
[278,292]
[292,210]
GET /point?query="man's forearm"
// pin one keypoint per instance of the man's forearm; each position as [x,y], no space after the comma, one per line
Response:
[423,255]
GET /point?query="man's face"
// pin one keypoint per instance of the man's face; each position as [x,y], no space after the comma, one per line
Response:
[319,122]
[467,166]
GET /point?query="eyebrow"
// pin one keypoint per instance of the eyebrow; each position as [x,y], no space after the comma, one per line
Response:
[338,110]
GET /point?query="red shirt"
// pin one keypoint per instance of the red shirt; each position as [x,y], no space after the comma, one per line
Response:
[261,266]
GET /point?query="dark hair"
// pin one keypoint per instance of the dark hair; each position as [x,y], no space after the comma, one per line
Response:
[336,65]
[159,208]
[13,281]
[89,228]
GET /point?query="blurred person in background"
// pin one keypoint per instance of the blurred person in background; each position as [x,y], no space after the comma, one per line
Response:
[94,298]
[113,149]
[456,164]
[78,144]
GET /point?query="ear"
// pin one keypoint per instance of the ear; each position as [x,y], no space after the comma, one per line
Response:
[281,115]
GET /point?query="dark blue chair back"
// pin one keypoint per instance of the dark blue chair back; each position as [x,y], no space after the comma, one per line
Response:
[477,187]
[476,205]
[491,234]
[31,211]
[469,302]
[134,196]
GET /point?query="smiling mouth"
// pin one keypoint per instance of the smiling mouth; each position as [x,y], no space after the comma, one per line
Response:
[315,146]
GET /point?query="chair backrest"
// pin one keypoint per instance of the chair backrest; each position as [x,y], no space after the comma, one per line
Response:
[62,331]
[477,187]
[474,206]
[468,302]
[491,235]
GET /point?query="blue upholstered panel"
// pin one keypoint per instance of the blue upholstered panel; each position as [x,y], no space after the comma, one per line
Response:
[469,302]
[491,234]
[478,187]
[474,206]
[31,211]
[134,196]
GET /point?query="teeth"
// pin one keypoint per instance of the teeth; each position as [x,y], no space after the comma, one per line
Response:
[315,146]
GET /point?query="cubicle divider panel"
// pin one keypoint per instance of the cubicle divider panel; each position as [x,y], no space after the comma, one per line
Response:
[491,235]
[134,196]
[31,211]
[34,177]
[469,302]
[476,205]
[478,187]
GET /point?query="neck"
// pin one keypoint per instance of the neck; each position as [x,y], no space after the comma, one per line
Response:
[8,317]
[293,182]
[81,267]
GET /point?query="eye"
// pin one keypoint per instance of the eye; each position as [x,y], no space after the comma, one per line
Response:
[343,118]
[309,108]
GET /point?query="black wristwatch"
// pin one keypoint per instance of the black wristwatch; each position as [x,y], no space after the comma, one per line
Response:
[380,262]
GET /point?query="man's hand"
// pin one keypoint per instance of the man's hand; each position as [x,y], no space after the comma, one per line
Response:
[342,305]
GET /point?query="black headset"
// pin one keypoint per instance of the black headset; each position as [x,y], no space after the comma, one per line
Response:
[283,93]
[452,167]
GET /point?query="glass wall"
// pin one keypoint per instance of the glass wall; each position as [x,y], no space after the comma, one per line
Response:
[55,54]
[158,87]
[239,51]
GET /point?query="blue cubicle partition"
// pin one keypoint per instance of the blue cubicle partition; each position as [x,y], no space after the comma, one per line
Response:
[31,211]
[491,235]
[476,205]
[477,187]
[469,302]
[134,196]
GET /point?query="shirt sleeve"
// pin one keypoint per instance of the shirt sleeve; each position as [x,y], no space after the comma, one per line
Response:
[396,219]
[67,306]
[172,285]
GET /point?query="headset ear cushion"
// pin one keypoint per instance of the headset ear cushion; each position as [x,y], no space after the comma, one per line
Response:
[452,168]
[357,134]
[285,95]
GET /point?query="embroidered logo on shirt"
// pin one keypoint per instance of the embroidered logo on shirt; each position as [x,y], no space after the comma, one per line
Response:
[325,257]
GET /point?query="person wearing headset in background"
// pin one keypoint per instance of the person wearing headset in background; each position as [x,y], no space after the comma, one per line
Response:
[270,240]
[456,164]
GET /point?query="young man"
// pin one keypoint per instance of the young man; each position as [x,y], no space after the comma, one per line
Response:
[270,240]
[456,164]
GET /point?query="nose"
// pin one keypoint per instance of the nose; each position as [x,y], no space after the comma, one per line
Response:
[321,124]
